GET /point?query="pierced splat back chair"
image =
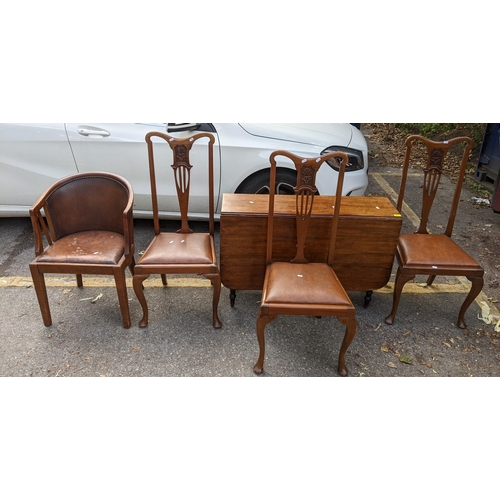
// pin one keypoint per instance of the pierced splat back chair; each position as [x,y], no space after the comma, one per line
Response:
[300,287]
[434,254]
[183,252]
[87,221]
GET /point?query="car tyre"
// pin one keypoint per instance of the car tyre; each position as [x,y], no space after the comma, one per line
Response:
[258,183]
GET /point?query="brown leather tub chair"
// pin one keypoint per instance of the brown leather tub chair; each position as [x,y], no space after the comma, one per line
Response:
[87,222]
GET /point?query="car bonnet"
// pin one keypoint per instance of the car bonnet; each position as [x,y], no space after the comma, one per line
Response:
[318,134]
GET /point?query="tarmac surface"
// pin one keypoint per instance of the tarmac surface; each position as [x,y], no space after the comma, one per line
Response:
[87,339]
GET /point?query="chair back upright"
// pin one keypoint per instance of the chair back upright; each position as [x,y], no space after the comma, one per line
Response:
[182,175]
[433,169]
[95,201]
[305,191]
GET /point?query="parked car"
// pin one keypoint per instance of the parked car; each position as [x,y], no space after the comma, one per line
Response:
[34,155]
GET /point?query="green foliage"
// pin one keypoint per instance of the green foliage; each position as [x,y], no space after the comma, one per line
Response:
[425,129]
[477,132]
[443,131]
[433,130]
[475,186]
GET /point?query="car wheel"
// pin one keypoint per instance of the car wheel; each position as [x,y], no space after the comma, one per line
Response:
[258,183]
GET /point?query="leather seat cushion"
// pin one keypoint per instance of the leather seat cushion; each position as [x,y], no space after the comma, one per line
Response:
[437,250]
[179,248]
[86,247]
[313,283]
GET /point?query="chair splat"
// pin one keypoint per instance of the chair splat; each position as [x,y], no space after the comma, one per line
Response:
[305,192]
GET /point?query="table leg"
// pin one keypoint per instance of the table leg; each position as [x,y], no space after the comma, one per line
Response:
[368,298]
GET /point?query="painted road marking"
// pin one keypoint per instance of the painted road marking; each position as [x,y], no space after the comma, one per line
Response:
[23,281]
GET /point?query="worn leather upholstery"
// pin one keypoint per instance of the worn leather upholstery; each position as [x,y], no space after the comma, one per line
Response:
[87,203]
[83,224]
[87,247]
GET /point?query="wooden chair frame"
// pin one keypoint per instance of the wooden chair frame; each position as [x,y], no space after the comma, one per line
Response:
[275,298]
[159,257]
[430,245]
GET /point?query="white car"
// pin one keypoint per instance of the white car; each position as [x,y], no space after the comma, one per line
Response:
[34,155]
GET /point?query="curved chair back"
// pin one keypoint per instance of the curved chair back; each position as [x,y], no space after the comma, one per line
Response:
[85,202]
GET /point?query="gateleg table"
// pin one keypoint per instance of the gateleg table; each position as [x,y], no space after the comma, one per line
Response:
[364,252]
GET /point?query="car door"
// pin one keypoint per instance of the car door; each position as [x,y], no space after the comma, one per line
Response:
[32,157]
[121,148]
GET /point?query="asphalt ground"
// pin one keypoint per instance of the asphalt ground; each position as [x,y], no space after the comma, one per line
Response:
[173,409]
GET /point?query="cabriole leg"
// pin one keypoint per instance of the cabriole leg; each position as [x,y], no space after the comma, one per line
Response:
[477,286]
[262,321]
[351,327]
[398,287]
[139,292]
[216,283]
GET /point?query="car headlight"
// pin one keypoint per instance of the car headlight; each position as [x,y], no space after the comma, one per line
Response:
[355,158]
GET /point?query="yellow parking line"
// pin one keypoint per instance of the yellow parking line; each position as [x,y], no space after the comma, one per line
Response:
[93,282]
[22,281]
[394,197]
[423,288]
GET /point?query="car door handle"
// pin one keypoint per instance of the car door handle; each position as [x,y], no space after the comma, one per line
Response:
[92,131]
